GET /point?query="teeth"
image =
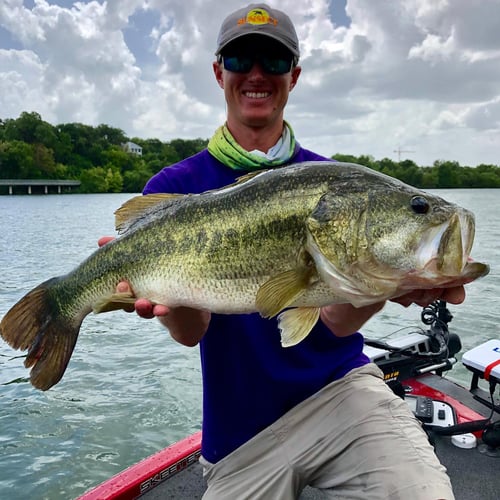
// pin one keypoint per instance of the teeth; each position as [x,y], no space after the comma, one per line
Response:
[256,95]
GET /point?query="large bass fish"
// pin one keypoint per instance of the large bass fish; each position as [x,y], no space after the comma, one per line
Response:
[288,241]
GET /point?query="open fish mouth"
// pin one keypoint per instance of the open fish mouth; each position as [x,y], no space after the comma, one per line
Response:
[445,250]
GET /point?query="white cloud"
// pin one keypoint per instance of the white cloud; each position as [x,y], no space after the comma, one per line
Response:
[420,74]
[485,116]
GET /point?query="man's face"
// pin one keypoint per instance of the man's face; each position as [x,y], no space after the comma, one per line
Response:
[256,98]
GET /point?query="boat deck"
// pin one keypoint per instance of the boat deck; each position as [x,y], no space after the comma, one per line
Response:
[474,474]
[470,473]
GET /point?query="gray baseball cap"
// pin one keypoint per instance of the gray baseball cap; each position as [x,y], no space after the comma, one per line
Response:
[258,19]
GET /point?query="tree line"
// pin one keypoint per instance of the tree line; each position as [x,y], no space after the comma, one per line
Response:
[31,148]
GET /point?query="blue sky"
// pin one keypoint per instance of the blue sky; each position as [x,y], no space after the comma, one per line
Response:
[420,75]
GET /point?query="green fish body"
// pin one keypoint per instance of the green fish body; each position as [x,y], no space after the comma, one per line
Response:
[285,241]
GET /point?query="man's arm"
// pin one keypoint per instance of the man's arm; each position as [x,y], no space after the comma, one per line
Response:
[345,319]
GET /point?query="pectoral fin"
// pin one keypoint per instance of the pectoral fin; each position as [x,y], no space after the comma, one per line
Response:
[280,291]
[296,324]
[115,302]
[283,289]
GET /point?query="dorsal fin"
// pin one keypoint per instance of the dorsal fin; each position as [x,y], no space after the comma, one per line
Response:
[134,209]
[246,177]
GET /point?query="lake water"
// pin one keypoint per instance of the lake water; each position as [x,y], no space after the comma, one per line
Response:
[130,390]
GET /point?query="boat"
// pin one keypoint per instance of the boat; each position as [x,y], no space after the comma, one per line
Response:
[461,422]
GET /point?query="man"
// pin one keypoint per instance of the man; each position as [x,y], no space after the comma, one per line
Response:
[275,419]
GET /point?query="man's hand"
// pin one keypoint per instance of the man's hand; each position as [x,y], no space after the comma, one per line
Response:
[423,298]
[143,307]
[345,319]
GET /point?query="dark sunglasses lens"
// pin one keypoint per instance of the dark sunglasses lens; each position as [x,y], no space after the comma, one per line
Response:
[237,64]
[271,65]
[275,65]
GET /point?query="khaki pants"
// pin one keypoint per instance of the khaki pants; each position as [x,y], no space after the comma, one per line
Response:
[354,439]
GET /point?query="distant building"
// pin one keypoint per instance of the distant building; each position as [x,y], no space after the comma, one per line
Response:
[132,147]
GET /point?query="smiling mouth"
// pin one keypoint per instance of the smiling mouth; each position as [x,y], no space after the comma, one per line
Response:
[256,95]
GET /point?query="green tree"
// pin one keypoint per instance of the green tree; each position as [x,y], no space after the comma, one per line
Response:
[114,180]
[387,166]
[111,135]
[447,173]
[135,180]
[94,180]
[345,158]
[120,159]
[186,148]
[44,165]
[16,160]
[63,147]
[23,128]
[410,173]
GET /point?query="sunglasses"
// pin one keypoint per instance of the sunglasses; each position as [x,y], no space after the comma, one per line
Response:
[273,65]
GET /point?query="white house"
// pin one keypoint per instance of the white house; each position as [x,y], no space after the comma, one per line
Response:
[132,147]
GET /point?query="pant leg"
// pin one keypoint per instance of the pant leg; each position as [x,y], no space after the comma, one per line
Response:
[257,470]
[377,449]
[354,439]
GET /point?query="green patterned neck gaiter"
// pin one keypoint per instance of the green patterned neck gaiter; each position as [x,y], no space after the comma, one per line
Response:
[224,147]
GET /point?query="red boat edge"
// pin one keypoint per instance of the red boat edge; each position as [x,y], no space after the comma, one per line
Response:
[148,473]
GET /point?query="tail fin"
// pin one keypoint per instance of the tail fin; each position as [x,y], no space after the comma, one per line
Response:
[36,324]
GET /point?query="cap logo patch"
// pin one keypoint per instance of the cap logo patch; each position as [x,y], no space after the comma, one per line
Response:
[258,16]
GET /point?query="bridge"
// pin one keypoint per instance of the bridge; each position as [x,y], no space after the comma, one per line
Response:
[39,185]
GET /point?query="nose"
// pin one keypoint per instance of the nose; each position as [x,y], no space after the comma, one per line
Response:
[256,72]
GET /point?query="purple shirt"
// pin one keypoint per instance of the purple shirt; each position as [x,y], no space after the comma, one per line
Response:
[249,380]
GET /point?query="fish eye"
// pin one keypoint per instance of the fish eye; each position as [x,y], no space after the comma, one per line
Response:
[420,205]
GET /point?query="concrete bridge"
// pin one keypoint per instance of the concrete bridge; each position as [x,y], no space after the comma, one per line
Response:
[39,185]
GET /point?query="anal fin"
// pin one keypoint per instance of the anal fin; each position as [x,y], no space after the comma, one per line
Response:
[296,324]
[115,302]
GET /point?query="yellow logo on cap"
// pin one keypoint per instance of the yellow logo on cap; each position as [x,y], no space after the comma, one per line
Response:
[258,16]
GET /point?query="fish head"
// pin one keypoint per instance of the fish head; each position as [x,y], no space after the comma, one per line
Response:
[378,238]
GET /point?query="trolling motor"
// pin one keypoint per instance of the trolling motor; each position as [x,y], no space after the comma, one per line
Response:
[421,352]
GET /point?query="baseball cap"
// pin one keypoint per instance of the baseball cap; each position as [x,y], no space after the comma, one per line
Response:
[258,19]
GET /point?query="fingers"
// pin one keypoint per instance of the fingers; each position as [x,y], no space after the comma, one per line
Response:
[104,239]
[143,307]
[123,287]
[454,295]
[160,310]
[146,309]
[423,298]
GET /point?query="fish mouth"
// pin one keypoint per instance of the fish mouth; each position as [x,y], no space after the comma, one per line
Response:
[445,250]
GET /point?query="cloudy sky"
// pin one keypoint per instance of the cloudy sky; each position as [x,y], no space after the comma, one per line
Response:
[422,76]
